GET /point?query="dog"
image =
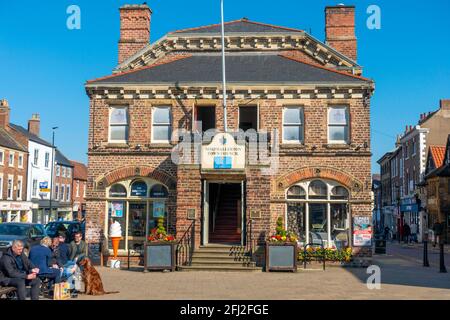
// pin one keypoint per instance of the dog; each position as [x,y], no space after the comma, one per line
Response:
[92,282]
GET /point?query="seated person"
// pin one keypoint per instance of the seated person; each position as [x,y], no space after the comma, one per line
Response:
[78,250]
[54,248]
[41,256]
[20,271]
[64,250]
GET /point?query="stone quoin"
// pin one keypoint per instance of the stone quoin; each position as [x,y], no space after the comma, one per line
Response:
[303,108]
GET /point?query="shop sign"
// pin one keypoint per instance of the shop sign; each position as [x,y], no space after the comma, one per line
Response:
[6,206]
[223,153]
[362,231]
[139,189]
[409,208]
[158,209]
[117,209]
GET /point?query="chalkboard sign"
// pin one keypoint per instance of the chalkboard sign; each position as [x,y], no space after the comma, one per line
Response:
[160,256]
[94,253]
[281,257]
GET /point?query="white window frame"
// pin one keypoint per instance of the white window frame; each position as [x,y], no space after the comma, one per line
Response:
[47,160]
[301,125]
[166,124]
[111,108]
[78,188]
[63,171]
[68,172]
[36,157]
[8,195]
[58,170]
[11,156]
[34,187]
[56,194]
[20,161]
[19,187]
[84,189]
[329,124]
[68,194]
[62,193]
[2,159]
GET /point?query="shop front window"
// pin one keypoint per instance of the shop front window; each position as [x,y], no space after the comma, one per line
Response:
[317,211]
[136,216]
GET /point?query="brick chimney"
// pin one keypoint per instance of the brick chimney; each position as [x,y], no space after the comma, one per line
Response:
[34,124]
[340,29]
[134,29]
[445,104]
[4,113]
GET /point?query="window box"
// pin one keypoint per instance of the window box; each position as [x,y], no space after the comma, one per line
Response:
[281,256]
[160,256]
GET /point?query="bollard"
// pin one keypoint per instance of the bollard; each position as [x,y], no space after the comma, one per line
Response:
[425,254]
[442,268]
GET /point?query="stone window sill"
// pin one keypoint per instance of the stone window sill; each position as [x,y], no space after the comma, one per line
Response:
[117,145]
[292,146]
[337,146]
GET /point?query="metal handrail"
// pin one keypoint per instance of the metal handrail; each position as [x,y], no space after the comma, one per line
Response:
[249,238]
[313,244]
[185,247]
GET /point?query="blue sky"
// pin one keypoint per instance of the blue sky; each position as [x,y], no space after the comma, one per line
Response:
[44,65]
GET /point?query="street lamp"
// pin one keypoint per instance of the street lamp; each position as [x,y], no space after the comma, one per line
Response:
[51,169]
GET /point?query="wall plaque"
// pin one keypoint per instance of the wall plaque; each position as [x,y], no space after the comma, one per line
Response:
[223,153]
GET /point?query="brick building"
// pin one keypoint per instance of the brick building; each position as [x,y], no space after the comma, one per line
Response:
[437,177]
[408,165]
[157,143]
[62,190]
[79,190]
[13,173]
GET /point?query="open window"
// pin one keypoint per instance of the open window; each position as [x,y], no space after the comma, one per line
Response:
[248,118]
[205,118]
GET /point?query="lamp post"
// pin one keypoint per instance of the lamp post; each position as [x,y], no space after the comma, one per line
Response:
[51,169]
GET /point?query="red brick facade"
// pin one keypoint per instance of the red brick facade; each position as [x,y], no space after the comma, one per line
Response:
[340,29]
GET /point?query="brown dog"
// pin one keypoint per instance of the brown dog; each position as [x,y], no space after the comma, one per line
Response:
[92,282]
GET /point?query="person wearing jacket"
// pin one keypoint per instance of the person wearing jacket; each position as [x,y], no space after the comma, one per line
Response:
[78,248]
[20,271]
[42,257]
[4,280]
[63,248]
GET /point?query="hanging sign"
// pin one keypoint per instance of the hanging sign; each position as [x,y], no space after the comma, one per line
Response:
[139,189]
[223,153]
[362,231]
[158,209]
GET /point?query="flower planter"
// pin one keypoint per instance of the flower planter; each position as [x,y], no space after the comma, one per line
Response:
[159,256]
[281,256]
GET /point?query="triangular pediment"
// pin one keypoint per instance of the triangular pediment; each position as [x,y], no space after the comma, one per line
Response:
[242,36]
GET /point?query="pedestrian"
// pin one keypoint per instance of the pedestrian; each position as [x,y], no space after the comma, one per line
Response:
[20,270]
[63,248]
[406,233]
[386,232]
[438,229]
[414,231]
[42,257]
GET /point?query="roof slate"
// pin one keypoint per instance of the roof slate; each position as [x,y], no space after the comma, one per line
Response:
[61,159]
[30,135]
[241,68]
[8,141]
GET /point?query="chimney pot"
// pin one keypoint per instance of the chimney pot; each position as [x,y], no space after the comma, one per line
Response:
[445,104]
[340,29]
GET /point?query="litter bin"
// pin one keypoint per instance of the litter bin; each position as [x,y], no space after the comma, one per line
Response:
[380,245]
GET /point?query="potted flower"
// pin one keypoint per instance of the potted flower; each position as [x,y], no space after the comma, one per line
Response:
[281,250]
[160,249]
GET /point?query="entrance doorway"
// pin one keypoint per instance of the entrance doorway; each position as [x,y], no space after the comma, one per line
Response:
[223,213]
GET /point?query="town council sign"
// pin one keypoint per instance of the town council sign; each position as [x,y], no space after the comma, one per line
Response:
[223,153]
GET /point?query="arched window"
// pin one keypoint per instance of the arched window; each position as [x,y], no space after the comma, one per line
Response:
[317,190]
[296,192]
[117,191]
[139,189]
[339,193]
[158,191]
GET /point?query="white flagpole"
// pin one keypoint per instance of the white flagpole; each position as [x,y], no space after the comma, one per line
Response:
[223,72]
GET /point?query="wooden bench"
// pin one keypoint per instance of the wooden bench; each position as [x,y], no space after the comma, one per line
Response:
[7,293]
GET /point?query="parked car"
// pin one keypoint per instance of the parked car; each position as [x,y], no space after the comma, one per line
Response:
[30,233]
[69,227]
